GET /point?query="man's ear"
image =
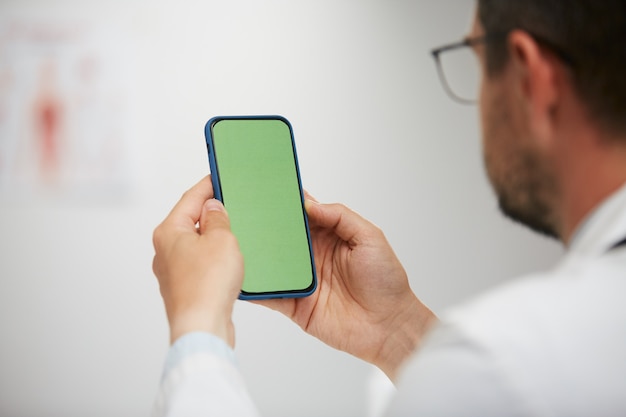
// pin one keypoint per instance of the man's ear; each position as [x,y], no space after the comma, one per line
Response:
[534,74]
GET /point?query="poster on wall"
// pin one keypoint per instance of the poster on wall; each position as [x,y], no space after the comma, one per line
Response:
[65,112]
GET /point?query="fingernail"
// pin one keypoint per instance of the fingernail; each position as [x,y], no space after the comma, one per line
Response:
[308,203]
[213,205]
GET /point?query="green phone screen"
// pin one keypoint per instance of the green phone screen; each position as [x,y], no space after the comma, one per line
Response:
[260,188]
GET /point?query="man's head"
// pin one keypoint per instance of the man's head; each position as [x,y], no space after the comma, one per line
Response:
[587,35]
[542,58]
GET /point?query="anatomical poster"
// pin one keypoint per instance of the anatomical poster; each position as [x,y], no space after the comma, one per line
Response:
[65,111]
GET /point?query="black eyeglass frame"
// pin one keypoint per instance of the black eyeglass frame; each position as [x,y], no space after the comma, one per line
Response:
[465,43]
[469,42]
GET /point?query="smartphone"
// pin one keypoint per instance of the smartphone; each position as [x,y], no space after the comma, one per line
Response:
[254,170]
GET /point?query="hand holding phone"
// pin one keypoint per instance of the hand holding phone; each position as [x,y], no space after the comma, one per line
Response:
[198,265]
[255,174]
[364,304]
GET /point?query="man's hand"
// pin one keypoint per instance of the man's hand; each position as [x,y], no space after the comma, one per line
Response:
[363,304]
[198,265]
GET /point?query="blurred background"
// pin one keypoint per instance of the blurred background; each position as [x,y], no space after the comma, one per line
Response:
[102,110]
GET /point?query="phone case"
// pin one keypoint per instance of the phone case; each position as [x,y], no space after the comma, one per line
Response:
[218,195]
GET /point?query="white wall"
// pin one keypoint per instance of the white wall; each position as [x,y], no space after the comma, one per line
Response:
[82,327]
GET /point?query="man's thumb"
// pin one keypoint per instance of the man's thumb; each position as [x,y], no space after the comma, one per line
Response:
[213,216]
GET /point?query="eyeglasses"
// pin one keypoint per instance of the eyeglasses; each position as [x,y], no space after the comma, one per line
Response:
[460,72]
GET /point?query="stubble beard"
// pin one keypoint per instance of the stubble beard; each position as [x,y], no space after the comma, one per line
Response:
[522,180]
[525,198]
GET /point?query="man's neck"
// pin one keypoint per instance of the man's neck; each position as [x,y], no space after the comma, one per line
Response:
[591,169]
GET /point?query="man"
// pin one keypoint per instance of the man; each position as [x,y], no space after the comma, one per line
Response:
[553,112]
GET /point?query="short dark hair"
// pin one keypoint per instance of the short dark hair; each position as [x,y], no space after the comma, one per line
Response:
[592,33]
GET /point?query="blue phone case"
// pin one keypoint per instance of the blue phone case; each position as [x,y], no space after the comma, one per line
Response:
[218,195]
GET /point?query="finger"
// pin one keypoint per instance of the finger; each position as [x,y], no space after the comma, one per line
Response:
[308,196]
[282,305]
[213,217]
[187,211]
[347,224]
[285,306]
